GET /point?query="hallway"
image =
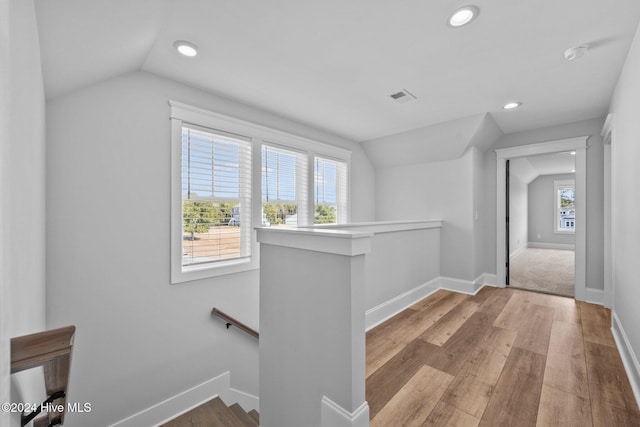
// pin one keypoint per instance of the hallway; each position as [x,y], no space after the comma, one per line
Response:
[503,357]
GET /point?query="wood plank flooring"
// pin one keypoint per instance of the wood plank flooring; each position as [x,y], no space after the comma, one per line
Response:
[503,357]
[215,413]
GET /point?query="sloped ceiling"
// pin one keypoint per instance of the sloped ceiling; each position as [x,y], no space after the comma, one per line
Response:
[442,141]
[554,163]
[332,64]
[529,168]
[523,170]
[83,42]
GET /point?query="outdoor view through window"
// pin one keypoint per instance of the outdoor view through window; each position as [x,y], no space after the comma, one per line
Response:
[284,186]
[566,208]
[216,193]
[216,190]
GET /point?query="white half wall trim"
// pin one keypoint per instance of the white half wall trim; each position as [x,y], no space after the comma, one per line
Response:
[183,402]
[334,415]
[629,358]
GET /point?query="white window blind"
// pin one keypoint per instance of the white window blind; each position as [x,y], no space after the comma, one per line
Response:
[284,186]
[331,191]
[216,196]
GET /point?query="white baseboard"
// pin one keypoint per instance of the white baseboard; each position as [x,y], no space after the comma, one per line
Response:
[176,405]
[629,359]
[388,309]
[517,252]
[487,279]
[463,286]
[334,415]
[246,400]
[595,296]
[562,246]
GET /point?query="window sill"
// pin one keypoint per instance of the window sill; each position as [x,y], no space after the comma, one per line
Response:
[221,268]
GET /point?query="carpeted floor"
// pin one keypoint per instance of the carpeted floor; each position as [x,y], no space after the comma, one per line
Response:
[544,270]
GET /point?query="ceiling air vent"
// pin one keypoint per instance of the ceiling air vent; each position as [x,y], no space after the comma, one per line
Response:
[403,96]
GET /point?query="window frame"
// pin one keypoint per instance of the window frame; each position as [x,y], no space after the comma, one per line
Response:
[557,186]
[180,114]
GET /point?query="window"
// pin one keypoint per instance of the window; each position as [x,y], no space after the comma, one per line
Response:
[284,186]
[228,178]
[330,191]
[216,196]
[565,210]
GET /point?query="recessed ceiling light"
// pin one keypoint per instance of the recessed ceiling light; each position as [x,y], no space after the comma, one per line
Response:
[511,105]
[186,48]
[463,16]
[573,153]
[573,170]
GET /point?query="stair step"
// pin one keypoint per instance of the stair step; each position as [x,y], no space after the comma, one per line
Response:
[215,413]
[222,416]
[243,416]
[255,415]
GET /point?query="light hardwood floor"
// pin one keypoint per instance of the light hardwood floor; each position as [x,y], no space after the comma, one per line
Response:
[503,357]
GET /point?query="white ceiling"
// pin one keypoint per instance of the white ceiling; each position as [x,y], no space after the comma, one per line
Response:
[332,64]
[529,168]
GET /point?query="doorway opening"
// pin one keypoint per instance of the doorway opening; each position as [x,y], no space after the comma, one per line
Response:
[541,234]
[503,252]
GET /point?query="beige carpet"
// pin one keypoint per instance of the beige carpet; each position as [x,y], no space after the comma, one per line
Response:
[544,270]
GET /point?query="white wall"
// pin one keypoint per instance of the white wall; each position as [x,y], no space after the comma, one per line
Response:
[542,206]
[626,175]
[595,191]
[518,215]
[436,190]
[23,193]
[139,339]
[400,262]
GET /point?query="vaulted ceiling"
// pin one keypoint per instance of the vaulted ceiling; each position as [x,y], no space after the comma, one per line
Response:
[333,64]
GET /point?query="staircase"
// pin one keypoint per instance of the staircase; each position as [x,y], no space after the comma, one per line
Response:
[215,413]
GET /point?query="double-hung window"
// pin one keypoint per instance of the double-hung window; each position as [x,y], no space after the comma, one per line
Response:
[215,198]
[284,186]
[565,208]
[330,191]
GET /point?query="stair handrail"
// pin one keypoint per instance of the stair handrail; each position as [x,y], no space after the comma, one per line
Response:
[234,322]
[52,350]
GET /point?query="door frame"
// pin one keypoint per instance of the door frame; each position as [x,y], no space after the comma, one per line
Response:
[579,145]
[507,228]
[609,209]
